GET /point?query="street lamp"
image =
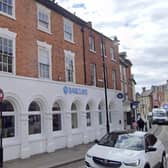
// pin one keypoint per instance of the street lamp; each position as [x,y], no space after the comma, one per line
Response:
[1,128]
[105,86]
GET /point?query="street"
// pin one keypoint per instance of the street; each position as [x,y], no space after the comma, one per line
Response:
[161,131]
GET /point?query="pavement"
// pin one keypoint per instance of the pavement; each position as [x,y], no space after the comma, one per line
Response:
[51,160]
[55,159]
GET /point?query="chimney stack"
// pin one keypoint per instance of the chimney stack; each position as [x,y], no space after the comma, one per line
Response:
[144,89]
[89,24]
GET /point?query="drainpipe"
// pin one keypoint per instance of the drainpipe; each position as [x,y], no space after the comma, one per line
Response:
[84,55]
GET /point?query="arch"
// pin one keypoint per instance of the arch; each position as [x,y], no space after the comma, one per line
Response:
[41,100]
[78,103]
[112,105]
[62,103]
[34,106]
[91,104]
[18,107]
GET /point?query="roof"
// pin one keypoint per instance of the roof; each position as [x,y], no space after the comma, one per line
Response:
[57,8]
[146,93]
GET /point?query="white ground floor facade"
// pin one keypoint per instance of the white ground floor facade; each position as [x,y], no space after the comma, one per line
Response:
[47,115]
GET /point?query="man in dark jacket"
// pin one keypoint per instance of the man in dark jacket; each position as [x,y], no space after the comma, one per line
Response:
[141,124]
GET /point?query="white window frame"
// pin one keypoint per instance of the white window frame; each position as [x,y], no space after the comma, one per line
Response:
[112,54]
[66,21]
[70,55]
[48,47]
[94,73]
[40,113]
[103,49]
[114,79]
[13,11]
[11,113]
[92,44]
[5,33]
[47,12]
[61,114]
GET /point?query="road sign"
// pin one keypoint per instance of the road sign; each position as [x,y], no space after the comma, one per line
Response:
[1,95]
[120,95]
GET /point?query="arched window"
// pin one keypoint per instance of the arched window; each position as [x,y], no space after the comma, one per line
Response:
[100,114]
[8,120]
[57,118]
[74,116]
[34,118]
[88,116]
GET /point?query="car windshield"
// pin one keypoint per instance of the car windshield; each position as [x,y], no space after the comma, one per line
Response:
[123,141]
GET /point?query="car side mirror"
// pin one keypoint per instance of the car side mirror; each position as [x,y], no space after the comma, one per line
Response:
[151,149]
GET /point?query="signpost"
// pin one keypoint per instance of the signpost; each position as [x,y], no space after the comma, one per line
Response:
[1,128]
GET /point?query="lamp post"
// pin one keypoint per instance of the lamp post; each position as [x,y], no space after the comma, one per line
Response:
[1,128]
[105,86]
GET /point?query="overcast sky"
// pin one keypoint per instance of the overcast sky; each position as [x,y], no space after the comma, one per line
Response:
[140,25]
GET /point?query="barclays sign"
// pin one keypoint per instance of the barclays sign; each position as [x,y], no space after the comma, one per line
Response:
[71,90]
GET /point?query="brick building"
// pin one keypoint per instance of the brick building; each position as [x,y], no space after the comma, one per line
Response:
[52,76]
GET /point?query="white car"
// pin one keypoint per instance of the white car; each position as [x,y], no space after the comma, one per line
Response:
[123,149]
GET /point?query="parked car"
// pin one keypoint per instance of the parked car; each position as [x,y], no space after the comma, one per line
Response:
[127,149]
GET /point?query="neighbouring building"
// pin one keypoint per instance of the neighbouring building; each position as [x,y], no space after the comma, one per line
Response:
[51,72]
[128,88]
[145,102]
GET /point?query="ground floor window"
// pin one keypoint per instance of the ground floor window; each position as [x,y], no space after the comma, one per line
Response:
[74,116]
[34,118]
[57,118]
[8,120]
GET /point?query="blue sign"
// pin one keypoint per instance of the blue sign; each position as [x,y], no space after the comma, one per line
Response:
[120,95]
[72,90]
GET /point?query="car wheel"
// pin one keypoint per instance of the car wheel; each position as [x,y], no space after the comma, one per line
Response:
[164,162]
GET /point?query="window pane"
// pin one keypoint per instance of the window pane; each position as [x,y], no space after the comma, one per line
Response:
[74,120]
[8,123]
[56,107]
[6,53]
[34,107]
[6,6]
[88,119]
[57,122]
[7,106]
[34,124]
[100,118]
[68,31]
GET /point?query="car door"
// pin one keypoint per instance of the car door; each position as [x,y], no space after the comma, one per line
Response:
[151,156]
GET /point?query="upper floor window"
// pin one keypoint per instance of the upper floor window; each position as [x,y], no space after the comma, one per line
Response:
[44,60]
[114,79]
[7,7]
[43,16]
[69,66]
[92,43]
[93,74]
[103,49]
[68,30]
[7,51]
[112,54]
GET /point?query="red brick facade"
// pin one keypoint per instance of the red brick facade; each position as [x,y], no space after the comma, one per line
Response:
[25,26]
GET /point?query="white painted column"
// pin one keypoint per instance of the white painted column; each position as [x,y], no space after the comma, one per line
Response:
[48,132]
[68,129]
[84,127]
[24,150]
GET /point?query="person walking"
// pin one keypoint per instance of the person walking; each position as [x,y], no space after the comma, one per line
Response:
[141,124]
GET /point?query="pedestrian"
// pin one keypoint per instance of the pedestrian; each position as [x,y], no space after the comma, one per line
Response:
[141,124]
[134,125]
